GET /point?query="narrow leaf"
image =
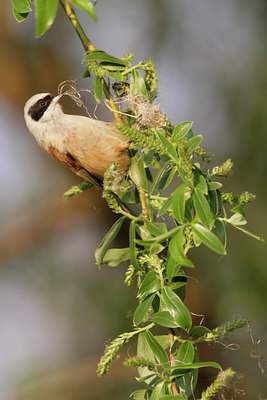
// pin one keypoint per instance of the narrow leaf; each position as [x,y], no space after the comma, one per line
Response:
[200,183]
[158,391]
[214,185]
[164,318]
[150,284]
[202,208]
[45,13]
[168,146]
[196,331]
[237,219]
[19,16]
[172,267]
[85,5]
[138,394]
[177,251]
[157,349]
[178,202]
[107,240]
[99,55]
[159,238]
[98,89]
[156,228]
[21,6]
[193,143]
[142,310]
[181,130]
[165,206]
[195,365]
[166,178]
[169,301]
[144,350]
[208,238]
[115,257]
[137,172]
[171,397]
[186,352]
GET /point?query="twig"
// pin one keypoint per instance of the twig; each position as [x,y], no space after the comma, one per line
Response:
[88,46]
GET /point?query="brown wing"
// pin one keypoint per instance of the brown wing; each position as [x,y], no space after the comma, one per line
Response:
[69,161]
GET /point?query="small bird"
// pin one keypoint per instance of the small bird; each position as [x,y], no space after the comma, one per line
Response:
[87,146]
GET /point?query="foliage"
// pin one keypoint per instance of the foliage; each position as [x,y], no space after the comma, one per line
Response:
[182,207]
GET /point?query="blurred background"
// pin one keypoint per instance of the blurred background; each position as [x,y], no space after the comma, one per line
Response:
[57,309]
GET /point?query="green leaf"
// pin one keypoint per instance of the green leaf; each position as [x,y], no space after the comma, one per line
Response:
[115,257]
[19,16]
[99,55]
[178,202]
[214,185]
[193,143]
[178,365]
[171,397]
[239,209]
[137,84]
[166,178]
[142,310]
[45,13]
[156,228]
[177,251]
[196,331]
[150,284]
[186,352]
[112,67]
[181,130]
[138,394]
[237,219]
[208,238]
[200,183]
[171,150]
[144,350]
[137,172]
[164,318]
[202,208]
[133,250]
[159,238]
[165,206]
[98,89]
[21,6]
[157,349]
[164,340]
[85,5]
[172,267]
[170,302]
[158,391]
[107,240]
[187,383]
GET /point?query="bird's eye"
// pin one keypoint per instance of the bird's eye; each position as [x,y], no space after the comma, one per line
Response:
[42,103]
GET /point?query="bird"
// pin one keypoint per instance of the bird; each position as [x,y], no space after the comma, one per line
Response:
[85,145]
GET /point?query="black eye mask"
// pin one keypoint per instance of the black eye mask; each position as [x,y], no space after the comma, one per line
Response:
[37,110]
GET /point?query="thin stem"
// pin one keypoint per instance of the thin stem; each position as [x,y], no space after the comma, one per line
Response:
[88,46]
[142,197]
